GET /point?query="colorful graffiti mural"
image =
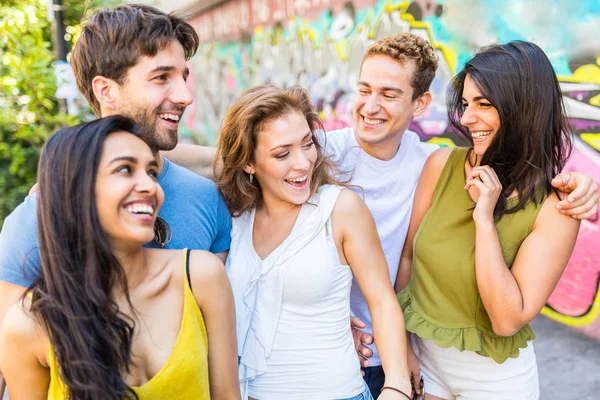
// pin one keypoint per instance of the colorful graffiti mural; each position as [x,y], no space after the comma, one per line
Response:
[319,44]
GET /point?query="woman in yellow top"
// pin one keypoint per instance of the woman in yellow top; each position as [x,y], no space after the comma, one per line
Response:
[486,245]
[110,319]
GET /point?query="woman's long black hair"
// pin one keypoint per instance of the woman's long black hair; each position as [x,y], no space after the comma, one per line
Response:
[534,140]
[91,339]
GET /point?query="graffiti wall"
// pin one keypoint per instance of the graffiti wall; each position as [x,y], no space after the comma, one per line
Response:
[319,44]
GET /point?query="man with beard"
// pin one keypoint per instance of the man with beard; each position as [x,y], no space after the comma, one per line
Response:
[131,60]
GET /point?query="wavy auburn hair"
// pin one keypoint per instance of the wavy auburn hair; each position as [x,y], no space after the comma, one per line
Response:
[238,137]
[90,337]
[535,139]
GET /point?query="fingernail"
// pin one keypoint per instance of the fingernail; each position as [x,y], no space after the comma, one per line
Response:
[571,199]
[559,206]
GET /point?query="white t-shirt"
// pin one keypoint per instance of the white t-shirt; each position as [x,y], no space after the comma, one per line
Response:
[389,188]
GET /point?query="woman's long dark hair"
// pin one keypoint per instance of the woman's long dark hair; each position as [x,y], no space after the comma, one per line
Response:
[534,140]
[91,339]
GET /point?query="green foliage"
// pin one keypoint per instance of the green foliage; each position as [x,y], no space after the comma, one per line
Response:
[29,113]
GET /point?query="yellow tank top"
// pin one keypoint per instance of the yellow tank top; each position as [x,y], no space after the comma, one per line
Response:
[184,375]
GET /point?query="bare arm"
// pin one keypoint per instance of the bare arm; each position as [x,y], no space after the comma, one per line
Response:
[421,204]
[423,197]
[198,159]
[215,299]
[9,295]
[23,350]
[513,297]
[361,249]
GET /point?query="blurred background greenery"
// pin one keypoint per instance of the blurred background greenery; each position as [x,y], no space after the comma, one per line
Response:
[29,111]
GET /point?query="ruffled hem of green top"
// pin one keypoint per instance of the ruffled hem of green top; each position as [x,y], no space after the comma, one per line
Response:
[499,348]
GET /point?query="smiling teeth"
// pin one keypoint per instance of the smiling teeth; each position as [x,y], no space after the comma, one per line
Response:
[297,180]
[480,134]
[373,121]
[140,209]
[172,117]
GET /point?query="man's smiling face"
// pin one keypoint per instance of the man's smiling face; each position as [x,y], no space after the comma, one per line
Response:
[154,93]
[384,108]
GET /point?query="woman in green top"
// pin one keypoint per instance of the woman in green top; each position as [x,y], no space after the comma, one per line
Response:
[486,245]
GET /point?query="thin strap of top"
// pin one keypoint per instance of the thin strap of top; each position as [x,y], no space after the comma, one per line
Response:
[187,268]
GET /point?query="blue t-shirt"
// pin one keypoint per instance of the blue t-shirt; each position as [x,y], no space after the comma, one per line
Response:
[193,208]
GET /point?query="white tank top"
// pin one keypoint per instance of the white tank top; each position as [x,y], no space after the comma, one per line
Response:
[293,310]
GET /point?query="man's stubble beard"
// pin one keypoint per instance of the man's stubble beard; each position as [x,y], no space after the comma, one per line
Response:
[147,125]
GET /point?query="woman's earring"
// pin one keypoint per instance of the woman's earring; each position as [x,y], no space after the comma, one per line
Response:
[251,178]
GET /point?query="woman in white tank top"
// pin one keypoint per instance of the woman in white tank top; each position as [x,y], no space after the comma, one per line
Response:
[298,239]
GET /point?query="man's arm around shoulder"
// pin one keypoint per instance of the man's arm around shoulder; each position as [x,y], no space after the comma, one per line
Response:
[19,255]
[198,159]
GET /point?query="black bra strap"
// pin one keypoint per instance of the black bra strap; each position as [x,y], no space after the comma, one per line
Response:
[187,268]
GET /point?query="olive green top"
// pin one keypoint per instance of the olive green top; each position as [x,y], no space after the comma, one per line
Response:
[441,300]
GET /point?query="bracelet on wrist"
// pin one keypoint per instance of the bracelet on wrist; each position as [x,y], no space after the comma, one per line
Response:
[396,390]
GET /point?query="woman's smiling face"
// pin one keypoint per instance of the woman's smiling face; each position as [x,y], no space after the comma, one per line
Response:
[285,156]
[479,116]
[128,196]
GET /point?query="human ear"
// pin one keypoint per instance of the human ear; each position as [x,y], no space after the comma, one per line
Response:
[423,102]
[249,169]
[106,92]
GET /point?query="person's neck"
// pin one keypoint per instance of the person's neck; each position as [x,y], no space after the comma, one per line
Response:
[384,151]
[160,161]
[134,264]
[474,159]
[275,209]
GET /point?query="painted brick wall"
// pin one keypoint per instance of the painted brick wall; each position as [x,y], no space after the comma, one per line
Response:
[319,44]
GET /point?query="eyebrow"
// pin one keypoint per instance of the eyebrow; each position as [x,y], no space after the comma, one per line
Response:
[309,134]
[132,160]
[169,68]
[478,98]
[384,88]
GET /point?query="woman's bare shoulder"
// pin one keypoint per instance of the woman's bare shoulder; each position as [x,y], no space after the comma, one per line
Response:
[21,320]
[205,266]
[22,329]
